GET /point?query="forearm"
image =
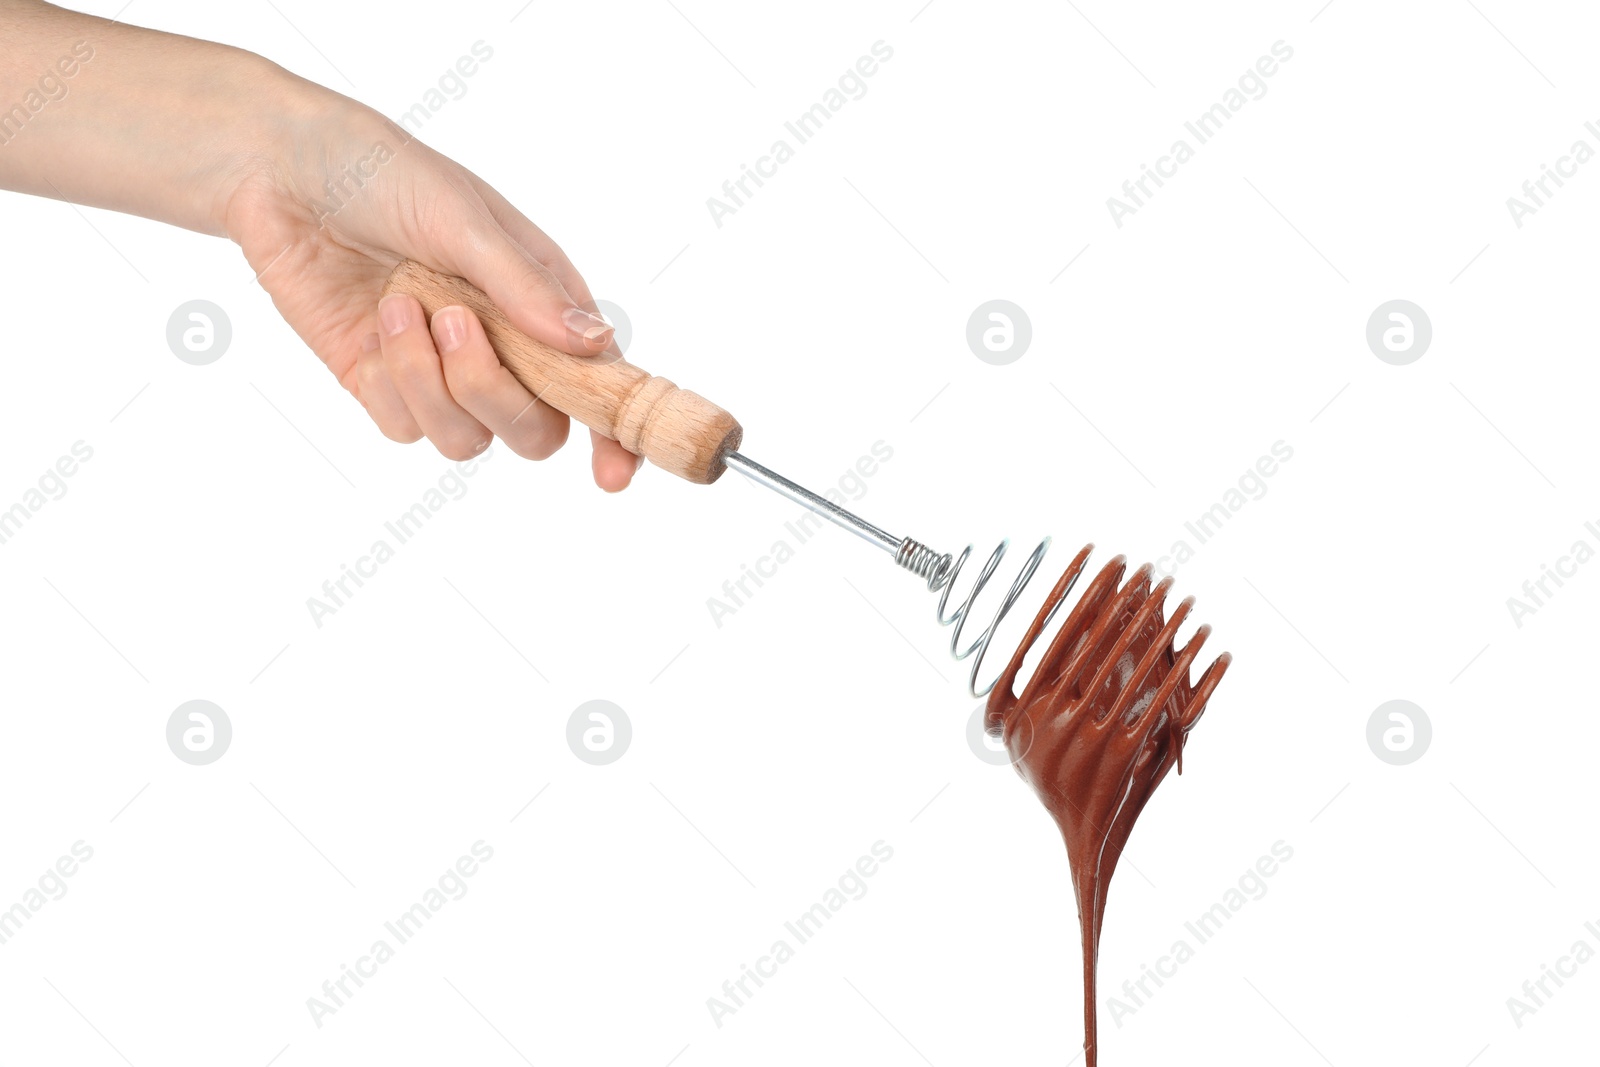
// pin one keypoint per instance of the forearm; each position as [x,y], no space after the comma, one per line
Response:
[135,120]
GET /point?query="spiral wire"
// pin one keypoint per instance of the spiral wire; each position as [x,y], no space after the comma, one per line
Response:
[941,570]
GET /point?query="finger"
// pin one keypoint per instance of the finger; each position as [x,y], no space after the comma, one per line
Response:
[614,466]
[536,243]
[412,364]
[530,294]
[542,247]
[377,394]
[480,383]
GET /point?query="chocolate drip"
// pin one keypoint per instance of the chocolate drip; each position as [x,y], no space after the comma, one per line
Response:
[1101,721]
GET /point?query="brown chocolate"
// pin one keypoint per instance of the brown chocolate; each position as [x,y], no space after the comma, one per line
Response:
[1102,719]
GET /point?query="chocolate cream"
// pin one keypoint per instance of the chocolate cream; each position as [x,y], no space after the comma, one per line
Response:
[1102,719]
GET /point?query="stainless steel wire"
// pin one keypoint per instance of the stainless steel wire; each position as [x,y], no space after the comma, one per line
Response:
[941,572]
[939,569]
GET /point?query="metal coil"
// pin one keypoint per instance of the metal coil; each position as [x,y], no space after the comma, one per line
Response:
[941,569]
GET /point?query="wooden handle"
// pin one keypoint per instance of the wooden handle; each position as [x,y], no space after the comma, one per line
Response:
[679,431]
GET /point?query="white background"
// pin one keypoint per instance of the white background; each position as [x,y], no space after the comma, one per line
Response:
[768,754]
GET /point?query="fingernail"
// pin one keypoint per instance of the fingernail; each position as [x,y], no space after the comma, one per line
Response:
[395,311]
[586,324]
[369,343]
[450,328]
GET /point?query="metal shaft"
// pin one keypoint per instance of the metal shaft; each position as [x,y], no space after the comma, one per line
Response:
[806,498]
[939,569]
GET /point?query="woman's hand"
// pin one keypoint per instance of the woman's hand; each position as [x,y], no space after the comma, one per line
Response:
[326,197]
[325,218]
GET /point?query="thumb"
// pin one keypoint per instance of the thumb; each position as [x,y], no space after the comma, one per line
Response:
[530,294]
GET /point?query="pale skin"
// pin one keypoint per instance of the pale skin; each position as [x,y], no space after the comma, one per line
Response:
[221,141]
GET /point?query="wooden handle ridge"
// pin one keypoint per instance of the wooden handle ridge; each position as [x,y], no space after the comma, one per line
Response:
[681,432]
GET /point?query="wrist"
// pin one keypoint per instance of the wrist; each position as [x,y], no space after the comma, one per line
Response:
[297,151]
[269,127]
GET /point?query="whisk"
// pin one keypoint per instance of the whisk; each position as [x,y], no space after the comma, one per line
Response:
[1110,703]
[687,435]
